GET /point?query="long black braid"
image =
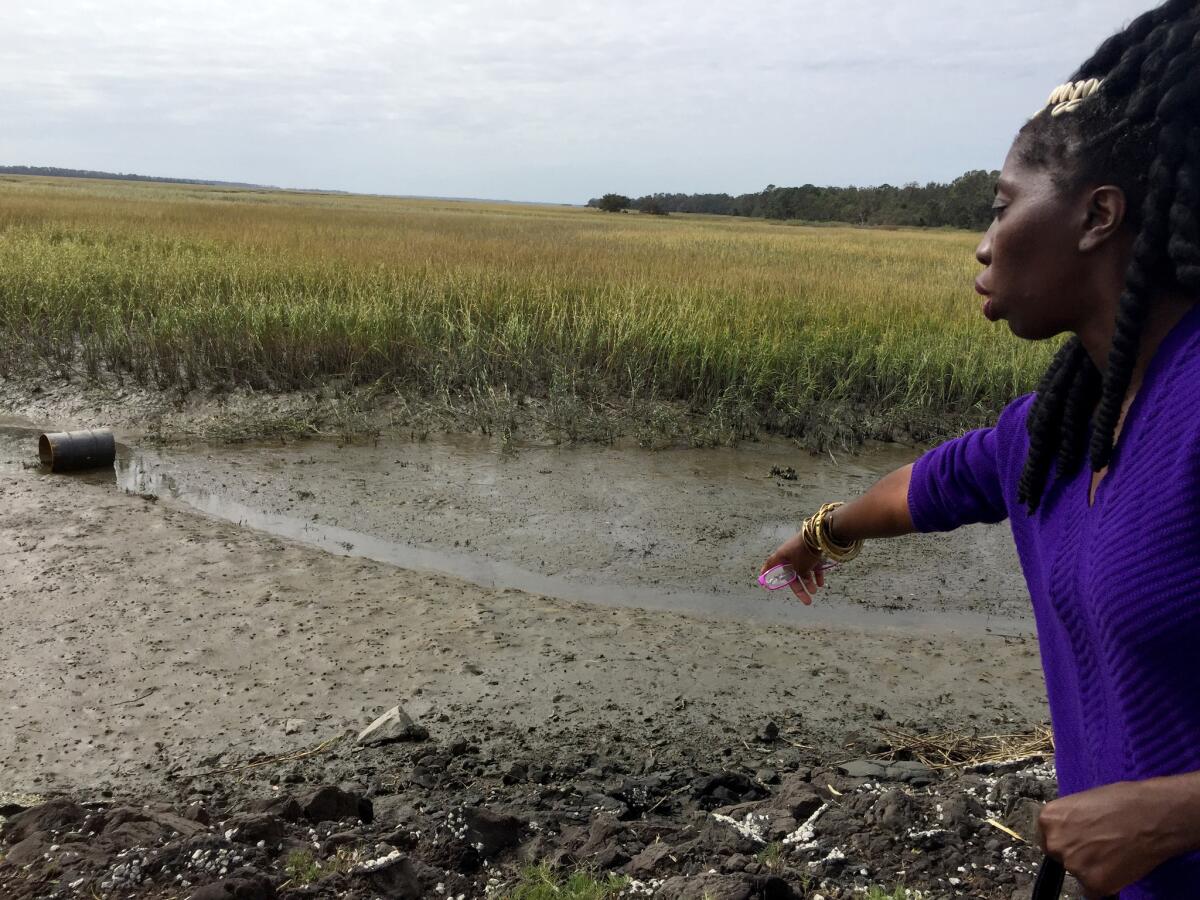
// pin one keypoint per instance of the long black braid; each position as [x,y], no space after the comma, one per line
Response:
[1141,132]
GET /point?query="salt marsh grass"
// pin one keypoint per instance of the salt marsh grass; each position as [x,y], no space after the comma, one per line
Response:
[806,331]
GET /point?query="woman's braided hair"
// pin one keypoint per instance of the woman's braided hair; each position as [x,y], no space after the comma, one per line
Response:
[1130,117]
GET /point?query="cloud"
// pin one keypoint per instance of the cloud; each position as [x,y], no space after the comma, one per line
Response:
[479,96]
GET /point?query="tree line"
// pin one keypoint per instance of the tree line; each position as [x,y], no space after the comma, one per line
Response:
[965,202]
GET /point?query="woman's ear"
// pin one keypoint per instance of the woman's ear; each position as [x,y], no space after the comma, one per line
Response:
[1104,216]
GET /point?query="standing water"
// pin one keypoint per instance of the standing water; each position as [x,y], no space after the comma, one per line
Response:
[682,530]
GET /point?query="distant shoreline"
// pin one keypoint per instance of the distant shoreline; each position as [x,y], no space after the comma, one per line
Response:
[56,172]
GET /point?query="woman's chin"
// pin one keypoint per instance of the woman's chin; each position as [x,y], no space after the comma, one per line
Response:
[1030,331]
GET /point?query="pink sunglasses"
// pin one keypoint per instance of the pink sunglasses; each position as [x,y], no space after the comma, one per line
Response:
[782,575]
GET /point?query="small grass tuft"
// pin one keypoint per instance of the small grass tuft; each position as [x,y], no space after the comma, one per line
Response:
[771,856]
[303,868]
[899,892]
[541,882]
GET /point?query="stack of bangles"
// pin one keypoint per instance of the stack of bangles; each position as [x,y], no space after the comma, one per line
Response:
[819,539]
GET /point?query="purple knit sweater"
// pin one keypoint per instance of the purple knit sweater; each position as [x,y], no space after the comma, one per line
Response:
[1115,587]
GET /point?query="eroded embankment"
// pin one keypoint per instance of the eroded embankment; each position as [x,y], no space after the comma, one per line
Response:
[112,595]
[153,652]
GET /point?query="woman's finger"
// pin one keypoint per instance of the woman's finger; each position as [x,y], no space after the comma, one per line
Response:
[775,559]
[801,592]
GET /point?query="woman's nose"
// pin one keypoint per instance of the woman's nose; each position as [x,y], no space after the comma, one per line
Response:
[983,252]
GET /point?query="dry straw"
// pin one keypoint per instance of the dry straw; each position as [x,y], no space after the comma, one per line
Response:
[966,748]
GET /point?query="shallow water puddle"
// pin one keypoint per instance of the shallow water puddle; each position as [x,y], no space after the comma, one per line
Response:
[681,530]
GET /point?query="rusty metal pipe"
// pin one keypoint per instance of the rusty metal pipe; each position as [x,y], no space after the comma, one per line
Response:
[62,451]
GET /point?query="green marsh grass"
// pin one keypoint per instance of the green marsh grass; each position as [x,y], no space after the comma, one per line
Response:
[811,332]
[541,882]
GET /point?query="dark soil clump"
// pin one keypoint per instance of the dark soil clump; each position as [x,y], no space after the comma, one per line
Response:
[462,819]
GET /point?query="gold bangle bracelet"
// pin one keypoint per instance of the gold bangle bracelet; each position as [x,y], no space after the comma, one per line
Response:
[819,539]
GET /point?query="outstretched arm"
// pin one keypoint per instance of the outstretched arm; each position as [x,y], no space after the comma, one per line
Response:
[880,512]
[955,483]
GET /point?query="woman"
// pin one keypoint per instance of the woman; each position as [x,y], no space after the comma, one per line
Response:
[1096,233]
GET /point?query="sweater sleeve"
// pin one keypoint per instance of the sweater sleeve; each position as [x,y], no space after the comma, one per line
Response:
[961,482]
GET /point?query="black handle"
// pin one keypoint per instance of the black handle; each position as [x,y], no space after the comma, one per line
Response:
[1049,882]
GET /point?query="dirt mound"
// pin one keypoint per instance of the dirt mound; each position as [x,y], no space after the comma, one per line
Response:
[461,820]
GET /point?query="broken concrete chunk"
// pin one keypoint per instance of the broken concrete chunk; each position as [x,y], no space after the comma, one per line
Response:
[393,725]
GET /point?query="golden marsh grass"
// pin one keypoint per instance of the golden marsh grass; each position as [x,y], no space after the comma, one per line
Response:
[806,331]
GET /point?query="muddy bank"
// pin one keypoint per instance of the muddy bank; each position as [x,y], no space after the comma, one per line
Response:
[157,656]
[452,818]
[145,639]
[677,529]
[682,530]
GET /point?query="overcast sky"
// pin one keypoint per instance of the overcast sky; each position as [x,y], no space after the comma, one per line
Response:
[552,100]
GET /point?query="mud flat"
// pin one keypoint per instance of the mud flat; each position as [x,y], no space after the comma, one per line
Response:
[161,655]
[681,530]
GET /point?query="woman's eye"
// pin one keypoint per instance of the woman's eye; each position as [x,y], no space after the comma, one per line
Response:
[998,208]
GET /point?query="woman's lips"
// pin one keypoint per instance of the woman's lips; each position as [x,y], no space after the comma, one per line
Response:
[989,307]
